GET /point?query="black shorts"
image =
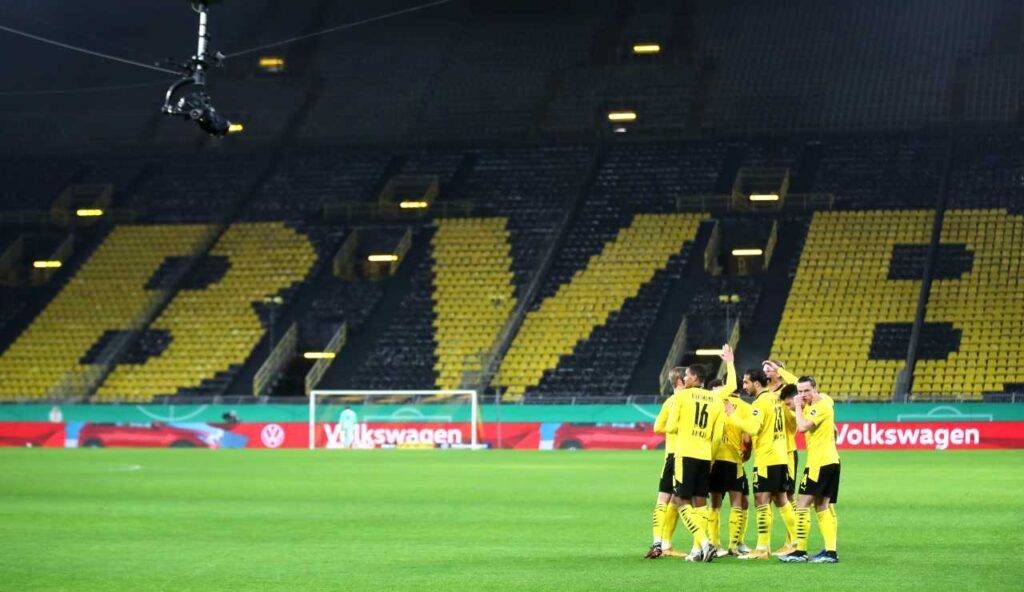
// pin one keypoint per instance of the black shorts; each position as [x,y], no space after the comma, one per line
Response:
[774,482]
[693,476]
[791,477]
[723,478]
[827,484]
[667,484]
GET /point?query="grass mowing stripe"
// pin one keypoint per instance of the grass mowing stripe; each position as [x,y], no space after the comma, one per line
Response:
[470,520]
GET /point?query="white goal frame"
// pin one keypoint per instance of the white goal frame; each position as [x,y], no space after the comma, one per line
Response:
[474,406]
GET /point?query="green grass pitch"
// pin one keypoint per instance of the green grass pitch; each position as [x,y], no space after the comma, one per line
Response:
[204,520]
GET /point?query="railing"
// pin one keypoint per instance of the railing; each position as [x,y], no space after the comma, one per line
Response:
[376,212]
[319,368]
[723,202]
[276,361]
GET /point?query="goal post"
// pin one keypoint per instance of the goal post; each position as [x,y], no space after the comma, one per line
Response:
[440,412]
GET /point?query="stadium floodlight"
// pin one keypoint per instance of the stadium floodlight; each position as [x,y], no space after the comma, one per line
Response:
[646,48]
[622,116]
[382,258]
[400,418]
[272,64]
[196,105]
[708,352]
[316,355]
[619,129]
[46,264]
[747,252]
[88,212]
[764,197]
[236,128]
[413,205]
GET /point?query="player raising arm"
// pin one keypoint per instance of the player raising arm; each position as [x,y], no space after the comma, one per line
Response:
[766,424]
[815,416]
[698,423]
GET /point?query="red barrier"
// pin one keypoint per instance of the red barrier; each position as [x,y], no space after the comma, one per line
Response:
[48,435]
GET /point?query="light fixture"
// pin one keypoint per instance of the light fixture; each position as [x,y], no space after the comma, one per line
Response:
[413,205]
[383,258]
[318,355]
[764,197]
[709,352]
[622,116]
[272,64]
[46,264]
[235,128]
[619,129]
[88,212]
[646,48]
[747,252]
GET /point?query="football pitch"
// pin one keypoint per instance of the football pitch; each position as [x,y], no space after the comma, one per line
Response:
[470,520]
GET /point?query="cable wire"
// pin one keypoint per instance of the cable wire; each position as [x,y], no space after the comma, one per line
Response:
[88,51]
[81,90]
[340,27]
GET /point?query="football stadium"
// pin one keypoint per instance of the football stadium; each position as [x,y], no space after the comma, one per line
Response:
[511,295]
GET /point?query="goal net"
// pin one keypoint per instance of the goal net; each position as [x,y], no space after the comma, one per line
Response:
[394,419]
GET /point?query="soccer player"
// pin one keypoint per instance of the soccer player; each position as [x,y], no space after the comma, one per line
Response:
[665,510]
[815,416]
[767,424]
[778,378]
[728,476]
[698,423]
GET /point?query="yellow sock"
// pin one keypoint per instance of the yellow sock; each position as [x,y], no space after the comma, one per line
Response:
[669,527]
[835,519]
[746,524]
[765,521]
[736,521]
[789,519]
[695,523]
[704,518]
[828,526]
[659,521]
[714,526]
[803,527]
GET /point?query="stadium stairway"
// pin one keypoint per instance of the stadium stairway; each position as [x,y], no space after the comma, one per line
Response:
[756,340]
[645,377]
[343,372]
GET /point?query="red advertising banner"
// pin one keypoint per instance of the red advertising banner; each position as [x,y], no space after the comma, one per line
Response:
[32,434]
[930,435]
[523,436]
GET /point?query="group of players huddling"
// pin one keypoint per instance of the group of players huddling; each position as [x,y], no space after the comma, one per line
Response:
[710,432]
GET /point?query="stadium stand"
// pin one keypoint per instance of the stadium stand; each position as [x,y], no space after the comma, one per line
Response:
[473,293]
[568,317]
[841,292]
[107,293]
[216,327]
[985,304]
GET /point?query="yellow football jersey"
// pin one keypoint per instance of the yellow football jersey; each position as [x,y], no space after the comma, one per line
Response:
[730,447]
[668,408]
[770,436]
[821,439]
[697,423]
[788,377]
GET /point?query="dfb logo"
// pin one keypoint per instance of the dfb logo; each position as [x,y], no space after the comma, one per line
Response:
[272,435]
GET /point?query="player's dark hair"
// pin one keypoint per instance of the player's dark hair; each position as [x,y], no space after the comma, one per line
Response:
[809,379]
[700,372]
[757,375]
[715,383]
[787,392]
